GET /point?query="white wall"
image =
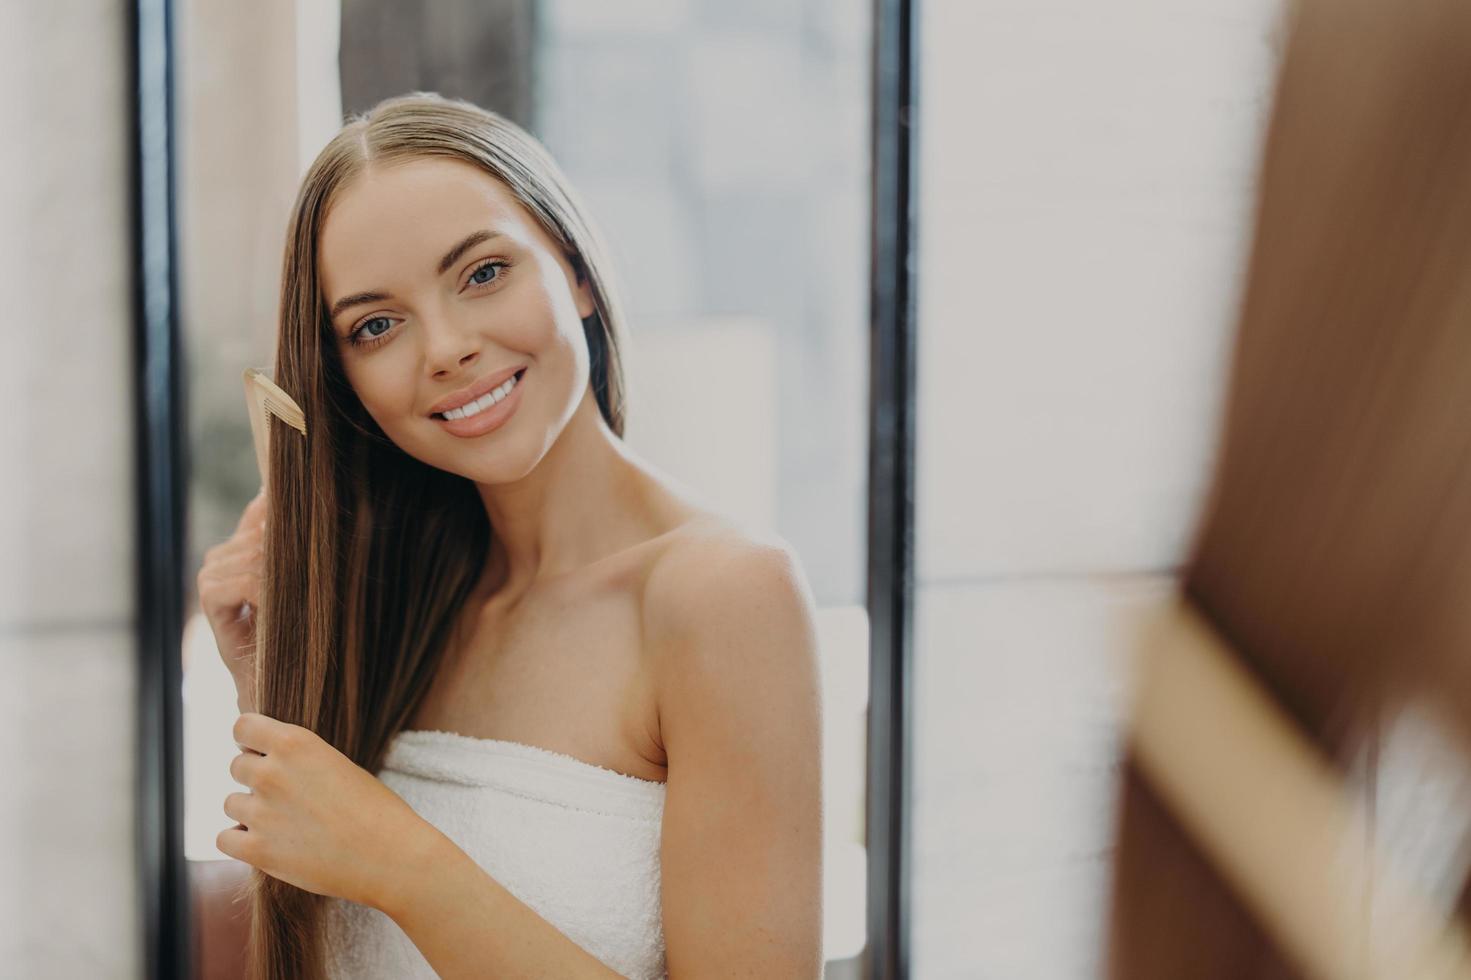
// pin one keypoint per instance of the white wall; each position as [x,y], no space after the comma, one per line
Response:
[68,900]
[1086,175]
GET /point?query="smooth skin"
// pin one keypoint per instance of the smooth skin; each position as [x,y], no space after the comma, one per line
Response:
[721,699]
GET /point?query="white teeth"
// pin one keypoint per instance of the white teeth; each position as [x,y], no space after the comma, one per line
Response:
[483,402]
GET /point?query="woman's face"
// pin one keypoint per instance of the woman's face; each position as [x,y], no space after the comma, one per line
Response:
[441,288]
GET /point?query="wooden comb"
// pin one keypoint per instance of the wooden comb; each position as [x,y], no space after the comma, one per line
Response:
[264,398]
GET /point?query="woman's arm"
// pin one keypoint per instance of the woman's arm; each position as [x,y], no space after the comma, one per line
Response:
[229,587]
[740,718]
[468,925]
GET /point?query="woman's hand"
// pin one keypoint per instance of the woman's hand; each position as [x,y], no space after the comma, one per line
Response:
[314,818]
[229,585]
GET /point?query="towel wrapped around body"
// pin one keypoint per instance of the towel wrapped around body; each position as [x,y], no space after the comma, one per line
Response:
[576,842]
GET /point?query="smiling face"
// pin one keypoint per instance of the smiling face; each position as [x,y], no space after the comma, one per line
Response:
[443,290]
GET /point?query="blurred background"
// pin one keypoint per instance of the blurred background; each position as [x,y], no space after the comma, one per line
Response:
[1085,183]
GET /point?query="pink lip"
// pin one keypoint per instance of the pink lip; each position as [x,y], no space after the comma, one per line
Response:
[489,420]
[466,395]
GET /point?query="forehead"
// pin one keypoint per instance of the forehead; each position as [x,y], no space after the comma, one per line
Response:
[404,215]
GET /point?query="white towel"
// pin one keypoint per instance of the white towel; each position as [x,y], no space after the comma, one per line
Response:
[577,842]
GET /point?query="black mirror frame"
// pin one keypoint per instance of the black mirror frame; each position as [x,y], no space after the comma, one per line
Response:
[160,480]
[892,362]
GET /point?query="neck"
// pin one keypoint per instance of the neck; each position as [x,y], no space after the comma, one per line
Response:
[584,500]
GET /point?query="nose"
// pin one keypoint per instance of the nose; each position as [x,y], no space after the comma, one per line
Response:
[448,346]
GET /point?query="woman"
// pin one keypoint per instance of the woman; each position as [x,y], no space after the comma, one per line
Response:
[592,702]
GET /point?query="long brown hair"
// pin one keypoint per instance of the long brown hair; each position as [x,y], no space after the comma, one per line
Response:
[371,553]
[1335,550]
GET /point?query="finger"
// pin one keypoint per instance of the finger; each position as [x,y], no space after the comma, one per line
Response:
[241,581]
[235,842]
[254,512]
[244,548]
[245,539]
[220,579]
[248,552]
[262,733]
[243,769]
[246,543]
[241,807]
[224,596]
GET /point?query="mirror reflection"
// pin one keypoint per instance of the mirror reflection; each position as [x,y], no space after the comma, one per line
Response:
[554,616]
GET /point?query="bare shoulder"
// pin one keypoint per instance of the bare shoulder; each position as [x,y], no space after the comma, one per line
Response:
[728,619]
[714,571]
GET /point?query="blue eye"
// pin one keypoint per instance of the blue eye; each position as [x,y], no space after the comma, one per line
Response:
[365,336]
[480,280]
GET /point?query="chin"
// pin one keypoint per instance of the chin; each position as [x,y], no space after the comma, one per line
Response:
[495,475]
[501,463]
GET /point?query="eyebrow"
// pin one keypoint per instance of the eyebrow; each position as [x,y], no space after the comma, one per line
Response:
[450,257]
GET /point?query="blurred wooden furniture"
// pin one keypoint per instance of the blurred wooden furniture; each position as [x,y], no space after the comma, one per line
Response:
[221,918]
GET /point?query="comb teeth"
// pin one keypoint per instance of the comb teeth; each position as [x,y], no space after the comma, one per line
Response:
[285,414]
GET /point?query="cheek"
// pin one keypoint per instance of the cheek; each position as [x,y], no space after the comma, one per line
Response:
[556,306]
[387,393]
[530,321]
[563,342]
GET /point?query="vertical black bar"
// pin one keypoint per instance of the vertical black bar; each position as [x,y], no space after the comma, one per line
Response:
[891,486]
[159,487]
